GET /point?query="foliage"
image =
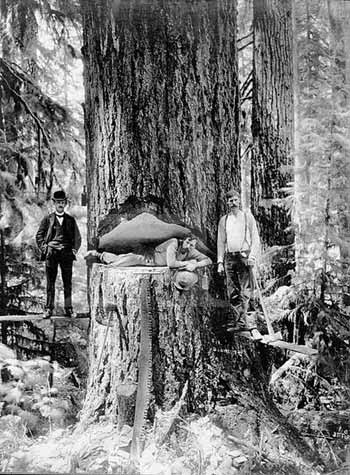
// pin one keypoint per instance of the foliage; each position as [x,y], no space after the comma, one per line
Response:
[198,445]
[38,134]
[40,410]
[41,132]
[323,171]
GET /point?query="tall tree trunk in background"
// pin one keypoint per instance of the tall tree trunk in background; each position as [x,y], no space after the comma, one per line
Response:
[339,18]
[312,160]
[272,118]
[161,106]
[300,180]
[245,60]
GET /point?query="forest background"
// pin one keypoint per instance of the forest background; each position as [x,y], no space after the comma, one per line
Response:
[293,158]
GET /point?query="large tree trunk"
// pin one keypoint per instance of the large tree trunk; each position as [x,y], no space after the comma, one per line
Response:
[272,118]
[180,334]
[162,122]
[161,106]
[188,347]
[161,114]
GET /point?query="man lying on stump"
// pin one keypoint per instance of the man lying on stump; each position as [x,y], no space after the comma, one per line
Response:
[180,254]
[238,246]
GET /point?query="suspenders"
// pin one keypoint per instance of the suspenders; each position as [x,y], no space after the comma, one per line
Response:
[245,232]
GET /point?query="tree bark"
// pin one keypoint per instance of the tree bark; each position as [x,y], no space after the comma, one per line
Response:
[161,107]
[162,115]
[272,118]
[188,347]
[180,341]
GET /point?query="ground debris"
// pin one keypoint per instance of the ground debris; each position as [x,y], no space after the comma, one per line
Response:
[196,445]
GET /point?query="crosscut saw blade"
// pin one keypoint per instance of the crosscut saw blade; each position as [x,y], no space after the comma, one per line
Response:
[144,370]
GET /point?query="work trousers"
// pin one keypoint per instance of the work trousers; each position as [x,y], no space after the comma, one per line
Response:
[239,285]
[64,259]
[126,260]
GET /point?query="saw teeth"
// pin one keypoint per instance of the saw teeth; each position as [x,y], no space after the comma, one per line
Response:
[145,369]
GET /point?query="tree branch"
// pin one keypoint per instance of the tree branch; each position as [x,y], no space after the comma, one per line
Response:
[22,76]
[246,150]
[28,109]
[244,37]
[243,47]
[246,83]
[246,98]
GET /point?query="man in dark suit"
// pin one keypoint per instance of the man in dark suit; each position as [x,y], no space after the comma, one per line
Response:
[58,239]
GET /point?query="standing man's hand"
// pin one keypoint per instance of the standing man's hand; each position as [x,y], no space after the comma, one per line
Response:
[221,269]
[251,261]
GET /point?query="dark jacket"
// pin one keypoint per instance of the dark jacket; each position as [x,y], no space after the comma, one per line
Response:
[46,231]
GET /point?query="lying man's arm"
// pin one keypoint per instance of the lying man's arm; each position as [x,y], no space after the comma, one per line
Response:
[197,259]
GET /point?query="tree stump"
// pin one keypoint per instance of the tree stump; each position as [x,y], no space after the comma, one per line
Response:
[187,346]
[180,341]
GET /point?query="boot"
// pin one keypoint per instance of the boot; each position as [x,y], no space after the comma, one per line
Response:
[92,256]
[47,314]
[68,312]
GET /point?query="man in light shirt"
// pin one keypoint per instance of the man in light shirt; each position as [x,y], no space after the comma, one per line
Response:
[238,248]
[173,253]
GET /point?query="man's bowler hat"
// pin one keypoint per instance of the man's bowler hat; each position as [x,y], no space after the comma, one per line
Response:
[59,195]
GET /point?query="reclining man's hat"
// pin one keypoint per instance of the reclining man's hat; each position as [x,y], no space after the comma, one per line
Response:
[59,195]
[185,279]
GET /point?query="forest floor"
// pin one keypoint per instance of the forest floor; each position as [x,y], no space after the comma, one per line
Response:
[196,445]
[41,432]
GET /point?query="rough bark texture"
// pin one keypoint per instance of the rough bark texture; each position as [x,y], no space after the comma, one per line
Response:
[162,121]
[188,345]
[161,106]
[180,339]
[272,117]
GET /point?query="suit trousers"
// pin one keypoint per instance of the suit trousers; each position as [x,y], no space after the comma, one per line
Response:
[63,258]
